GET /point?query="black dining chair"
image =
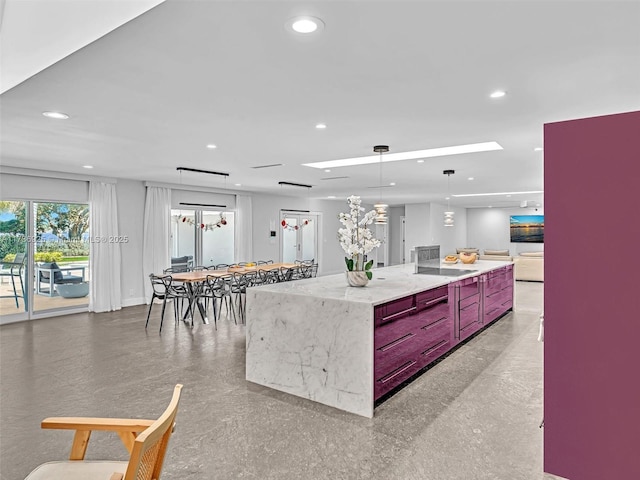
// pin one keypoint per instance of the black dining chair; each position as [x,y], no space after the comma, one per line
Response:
[160,286]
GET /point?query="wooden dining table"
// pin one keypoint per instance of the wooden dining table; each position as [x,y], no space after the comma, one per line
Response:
[194,279]
[198,276]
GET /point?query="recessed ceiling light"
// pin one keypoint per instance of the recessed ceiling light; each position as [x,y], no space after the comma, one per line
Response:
[470,178]
[56,115]
[497,193]
[327,170]
[420,161]
[490,206]
[321,126]
[87,166]
[393,184]
[305,25]
[238,184]
[211,146]
[508,195]
[538,149]
[498,94]
[331,196]
[394,157]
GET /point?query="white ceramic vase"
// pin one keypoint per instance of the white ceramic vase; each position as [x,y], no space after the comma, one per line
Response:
[357,278]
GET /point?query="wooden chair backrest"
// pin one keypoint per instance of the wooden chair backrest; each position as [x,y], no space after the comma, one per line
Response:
[150,446]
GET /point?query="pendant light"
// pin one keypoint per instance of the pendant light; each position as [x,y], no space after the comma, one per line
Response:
[448,215]
[381,208]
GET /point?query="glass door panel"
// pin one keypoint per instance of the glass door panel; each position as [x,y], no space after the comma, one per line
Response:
[13,259]
[289,239]
[183,235]
[61,256]
[218,238]
[308,233]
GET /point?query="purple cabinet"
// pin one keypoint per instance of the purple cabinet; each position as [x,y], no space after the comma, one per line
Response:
[410,333]
[498,293]
[413,331]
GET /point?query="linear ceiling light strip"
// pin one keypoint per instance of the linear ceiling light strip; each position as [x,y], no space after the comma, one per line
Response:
[198,170]
[292,184]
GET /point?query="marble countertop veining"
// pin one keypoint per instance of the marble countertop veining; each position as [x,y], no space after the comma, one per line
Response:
[388,283]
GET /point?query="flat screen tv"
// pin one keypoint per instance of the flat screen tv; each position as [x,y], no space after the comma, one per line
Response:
[527,228]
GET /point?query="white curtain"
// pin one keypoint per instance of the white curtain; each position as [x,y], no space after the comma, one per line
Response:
[104,259]
[244,229]
[156,246]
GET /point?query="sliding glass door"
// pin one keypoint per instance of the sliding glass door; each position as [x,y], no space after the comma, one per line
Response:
[202,237]
[44,250]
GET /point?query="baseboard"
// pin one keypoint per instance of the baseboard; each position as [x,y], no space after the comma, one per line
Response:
[132,302]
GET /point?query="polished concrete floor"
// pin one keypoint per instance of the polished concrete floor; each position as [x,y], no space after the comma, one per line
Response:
[475,415]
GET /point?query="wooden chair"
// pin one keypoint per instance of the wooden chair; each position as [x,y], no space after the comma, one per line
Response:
[145,440]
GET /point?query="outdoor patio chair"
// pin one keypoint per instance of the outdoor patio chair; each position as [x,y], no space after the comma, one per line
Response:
[145,440]
[14,269]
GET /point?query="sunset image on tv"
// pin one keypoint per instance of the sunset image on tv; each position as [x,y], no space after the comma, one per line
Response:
[527,228]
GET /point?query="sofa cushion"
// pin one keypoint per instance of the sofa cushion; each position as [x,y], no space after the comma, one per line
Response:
[468,250]
[497,252]
[532,254]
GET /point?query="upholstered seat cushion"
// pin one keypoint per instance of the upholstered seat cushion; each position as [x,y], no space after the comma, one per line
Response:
[77,470]
[503,253]
[532,254]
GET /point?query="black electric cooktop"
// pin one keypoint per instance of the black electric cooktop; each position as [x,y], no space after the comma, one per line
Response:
[444,272]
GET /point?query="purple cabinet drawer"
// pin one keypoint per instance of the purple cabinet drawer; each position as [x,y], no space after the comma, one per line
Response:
[469,311]
[468,287]
[395,310]
[432,297]
[387,382]
[434,351]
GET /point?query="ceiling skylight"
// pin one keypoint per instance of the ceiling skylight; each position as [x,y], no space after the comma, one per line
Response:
[497,193]
[396,157]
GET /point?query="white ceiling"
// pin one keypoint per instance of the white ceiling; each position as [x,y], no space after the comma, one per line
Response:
[148,96]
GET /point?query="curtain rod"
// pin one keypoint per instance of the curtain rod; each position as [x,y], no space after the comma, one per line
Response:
[202,205]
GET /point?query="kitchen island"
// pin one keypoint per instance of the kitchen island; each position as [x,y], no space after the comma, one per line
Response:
[348,347]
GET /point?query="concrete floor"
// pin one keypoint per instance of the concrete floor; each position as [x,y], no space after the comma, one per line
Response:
[474,415]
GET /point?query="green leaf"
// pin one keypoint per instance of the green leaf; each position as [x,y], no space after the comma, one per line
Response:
[369,274]
[349,262]
[368,265]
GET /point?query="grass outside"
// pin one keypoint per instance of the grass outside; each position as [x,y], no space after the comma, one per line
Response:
[74,259]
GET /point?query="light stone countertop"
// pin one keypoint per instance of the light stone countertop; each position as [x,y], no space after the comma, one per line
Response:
[388,283]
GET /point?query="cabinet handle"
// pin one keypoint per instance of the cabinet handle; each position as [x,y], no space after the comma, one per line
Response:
[436,300]
[433,324]
[400,340]
[435,347]
[397,372]
[469,306]
[391,317]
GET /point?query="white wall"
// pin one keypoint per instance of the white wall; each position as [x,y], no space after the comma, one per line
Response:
[449,238]
[417,222]
[424,225]
[395,235]
[266,209]
[131,196]
[488,228]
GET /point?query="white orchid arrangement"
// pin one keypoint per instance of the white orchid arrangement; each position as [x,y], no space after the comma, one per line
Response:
[355,238]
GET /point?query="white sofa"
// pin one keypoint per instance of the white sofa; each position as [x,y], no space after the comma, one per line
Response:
[529,266]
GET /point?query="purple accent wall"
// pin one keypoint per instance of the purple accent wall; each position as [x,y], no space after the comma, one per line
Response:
[592,298]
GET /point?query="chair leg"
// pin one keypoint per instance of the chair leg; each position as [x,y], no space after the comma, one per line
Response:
[15,292]
[149,312]
[164,305]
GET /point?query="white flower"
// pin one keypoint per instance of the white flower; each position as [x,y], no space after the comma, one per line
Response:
[355,238]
